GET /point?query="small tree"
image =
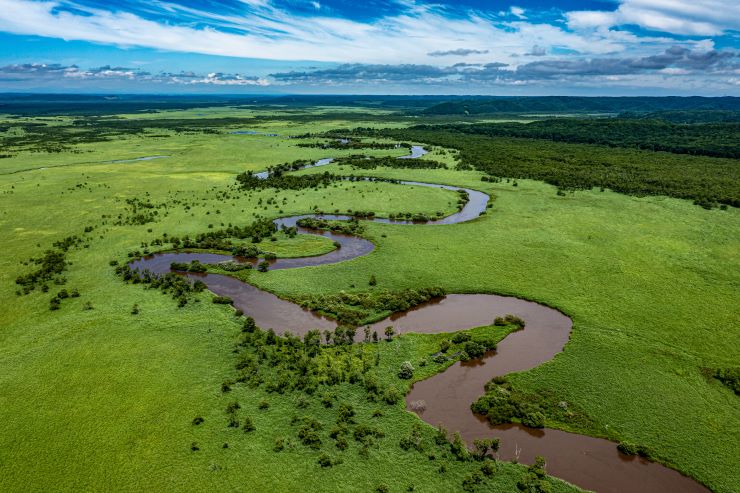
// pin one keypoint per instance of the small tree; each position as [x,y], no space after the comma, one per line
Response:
[389,331]
[263,266]
[483,446]
[248,425]
[458,448]
[312,341]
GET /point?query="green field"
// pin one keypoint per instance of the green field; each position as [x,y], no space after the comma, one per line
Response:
[101,399]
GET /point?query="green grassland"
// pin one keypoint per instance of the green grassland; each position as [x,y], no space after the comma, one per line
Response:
[103,400]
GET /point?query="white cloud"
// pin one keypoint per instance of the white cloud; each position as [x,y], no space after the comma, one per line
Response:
[266,32]
[688,17]
[517,11]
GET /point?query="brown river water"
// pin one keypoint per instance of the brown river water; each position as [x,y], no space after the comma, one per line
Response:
[588,462]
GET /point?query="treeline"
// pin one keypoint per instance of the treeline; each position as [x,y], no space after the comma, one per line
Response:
[571,104]
[36,136]
[180,288]
[357,308]
[250,181]
[716,139]
[221,239]
[364,162]
[705,180]
[688,116]
[350,144]
[351,227]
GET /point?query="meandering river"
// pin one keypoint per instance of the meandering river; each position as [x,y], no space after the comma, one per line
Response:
[591,463]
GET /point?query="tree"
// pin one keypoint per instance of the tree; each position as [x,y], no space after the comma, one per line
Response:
[389,331]
[312,342]
[483,446]
[458,448]
[249,325]
[406,371]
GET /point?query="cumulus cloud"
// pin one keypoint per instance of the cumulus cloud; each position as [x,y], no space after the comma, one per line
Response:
[458,52]
[673,61]
[676,60]
[39,72]
[688,17]
[536,50]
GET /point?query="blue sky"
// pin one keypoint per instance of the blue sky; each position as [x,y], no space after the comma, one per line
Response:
[527,47]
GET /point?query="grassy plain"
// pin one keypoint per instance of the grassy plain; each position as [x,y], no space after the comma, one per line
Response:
[650,283]
[103,400]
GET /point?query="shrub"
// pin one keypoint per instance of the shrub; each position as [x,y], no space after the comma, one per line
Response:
[345,413]
[222,300]
[729,377]
[445,345]
[342,443]
[472,481]
[248,425]
[406,371]
[263,266]
[198,420]
[534,420]
[135,309]
[279,444]
[263,404]
[382,488]
[460,337]
[509,320]
[391,395]
[627,448]
[440,436]
[473,350]
[308,433]
[488,468]
[458,448]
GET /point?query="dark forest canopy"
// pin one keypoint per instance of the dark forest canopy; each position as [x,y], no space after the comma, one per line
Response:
[706,180]
[715,139]
[559,104]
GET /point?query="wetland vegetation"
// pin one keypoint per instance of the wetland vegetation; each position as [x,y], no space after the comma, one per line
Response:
[632,234]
